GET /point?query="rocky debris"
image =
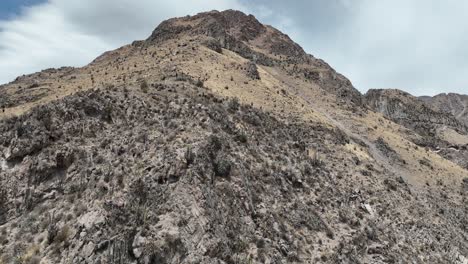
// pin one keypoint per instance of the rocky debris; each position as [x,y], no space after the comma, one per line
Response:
[407,110]
[388,151]
[24,95]
[331,81]
[252,71]
[455,104]
[426,122]
[465,185]
[229,28]
[213,44]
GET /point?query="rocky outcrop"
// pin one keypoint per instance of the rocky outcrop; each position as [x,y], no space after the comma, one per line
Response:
[246,36]
[455,104]
[407,110]
[427,122]
[252,71]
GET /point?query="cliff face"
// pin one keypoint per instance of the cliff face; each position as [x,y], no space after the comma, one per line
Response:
[434,126]
[455,104]
[218,140]
[411,112]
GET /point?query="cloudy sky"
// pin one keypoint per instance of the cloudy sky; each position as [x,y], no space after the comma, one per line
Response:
[419,46]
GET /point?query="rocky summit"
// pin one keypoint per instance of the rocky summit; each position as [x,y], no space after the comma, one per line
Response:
[219,140]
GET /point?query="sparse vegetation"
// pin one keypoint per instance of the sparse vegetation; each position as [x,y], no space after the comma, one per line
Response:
[189,156]
[315,159]
[62,235]
[3,204]
[233,104]
[199,83]
[144,86]
[52,229]
[222,167]
[241,137]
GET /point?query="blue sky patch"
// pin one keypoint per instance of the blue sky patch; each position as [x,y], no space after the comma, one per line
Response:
[9,8]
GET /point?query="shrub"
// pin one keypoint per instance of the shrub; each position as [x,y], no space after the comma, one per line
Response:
[140,191]
[3,204]
[30,256]
[316,161]
[144,86]
[233,105]
[241,137]
[62,235]
[199,83]
[222,167]
[189,156]
[52,230]
[214,145]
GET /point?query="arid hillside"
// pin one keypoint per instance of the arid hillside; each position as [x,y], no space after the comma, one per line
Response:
[219,140]
[456,104]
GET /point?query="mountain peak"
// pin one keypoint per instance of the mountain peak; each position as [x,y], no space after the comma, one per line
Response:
[233,29]
[213,23]
[243,34]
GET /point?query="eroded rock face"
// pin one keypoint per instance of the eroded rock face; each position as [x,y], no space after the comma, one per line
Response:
[410,112]
[246,36]
[252,71]
[455,104]
[428,122]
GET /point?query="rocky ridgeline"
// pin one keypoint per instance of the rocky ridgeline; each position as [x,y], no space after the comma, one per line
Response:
[423,119]
[407,110]
[240,33]
[455,104]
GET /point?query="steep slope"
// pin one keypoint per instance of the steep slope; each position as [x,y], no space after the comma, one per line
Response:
[411,112]
[429,127]
[456,104]
[216,140]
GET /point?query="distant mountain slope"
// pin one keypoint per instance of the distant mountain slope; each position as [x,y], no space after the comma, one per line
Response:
[434,128]
[456,104]
[219,140]
[411,112]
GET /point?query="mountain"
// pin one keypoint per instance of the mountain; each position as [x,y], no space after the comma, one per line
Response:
[219,140]
[429,127]
[455,104]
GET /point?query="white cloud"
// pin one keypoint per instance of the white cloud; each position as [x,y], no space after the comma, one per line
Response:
[73,32]
[417,45]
